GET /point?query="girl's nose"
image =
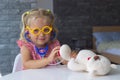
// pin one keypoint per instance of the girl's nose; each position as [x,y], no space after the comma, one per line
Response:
[41,34]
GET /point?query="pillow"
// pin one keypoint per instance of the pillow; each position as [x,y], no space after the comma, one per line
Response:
[108,45]
[116,36]
[102,37]
[106,36]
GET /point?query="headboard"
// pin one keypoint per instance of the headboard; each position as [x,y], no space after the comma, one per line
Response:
[104,29]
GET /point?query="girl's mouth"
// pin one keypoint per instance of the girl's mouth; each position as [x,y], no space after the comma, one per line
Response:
[42,39]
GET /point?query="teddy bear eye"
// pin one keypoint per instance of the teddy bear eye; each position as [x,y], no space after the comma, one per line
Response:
[89,58]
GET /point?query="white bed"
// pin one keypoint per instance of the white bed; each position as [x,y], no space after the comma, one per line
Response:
[106,41]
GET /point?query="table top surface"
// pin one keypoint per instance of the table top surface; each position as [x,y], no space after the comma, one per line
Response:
[59,72]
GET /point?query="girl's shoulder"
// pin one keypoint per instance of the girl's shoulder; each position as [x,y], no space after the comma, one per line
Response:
[55,43]
[21,43]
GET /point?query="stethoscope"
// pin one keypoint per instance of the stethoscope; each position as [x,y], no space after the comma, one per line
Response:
[41,51]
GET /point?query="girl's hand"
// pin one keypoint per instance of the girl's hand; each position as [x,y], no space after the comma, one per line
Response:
[53,53]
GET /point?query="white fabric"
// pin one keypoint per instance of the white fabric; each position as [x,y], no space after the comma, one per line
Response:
[114,51]
[112,47]
[17,64]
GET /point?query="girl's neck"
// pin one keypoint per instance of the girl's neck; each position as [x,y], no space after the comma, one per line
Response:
[41,46]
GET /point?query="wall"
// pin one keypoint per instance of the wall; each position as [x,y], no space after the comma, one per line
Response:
[46,4]
[10,16]
[75,19]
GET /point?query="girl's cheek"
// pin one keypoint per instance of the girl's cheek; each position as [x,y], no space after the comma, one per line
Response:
[33,38]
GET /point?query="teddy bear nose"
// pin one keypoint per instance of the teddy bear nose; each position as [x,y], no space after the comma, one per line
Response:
[96,57]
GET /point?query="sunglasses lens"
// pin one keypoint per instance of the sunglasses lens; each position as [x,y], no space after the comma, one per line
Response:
[36,31]
[46,30]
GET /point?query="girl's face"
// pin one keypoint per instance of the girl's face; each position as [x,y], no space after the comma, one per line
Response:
[41,39]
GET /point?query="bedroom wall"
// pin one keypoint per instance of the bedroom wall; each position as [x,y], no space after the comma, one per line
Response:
[75,19]
[10,15]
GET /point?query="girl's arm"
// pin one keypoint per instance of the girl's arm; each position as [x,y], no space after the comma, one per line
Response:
[64,62]
[29,63]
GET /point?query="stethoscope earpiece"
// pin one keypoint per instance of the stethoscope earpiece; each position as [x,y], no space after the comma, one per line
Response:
[53,35]
[26,36]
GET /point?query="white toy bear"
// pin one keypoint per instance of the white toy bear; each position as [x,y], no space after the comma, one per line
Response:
[86,60]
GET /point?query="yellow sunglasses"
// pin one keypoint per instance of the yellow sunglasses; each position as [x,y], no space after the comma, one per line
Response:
[37,31]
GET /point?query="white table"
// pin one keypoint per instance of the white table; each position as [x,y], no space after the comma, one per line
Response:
[59,72]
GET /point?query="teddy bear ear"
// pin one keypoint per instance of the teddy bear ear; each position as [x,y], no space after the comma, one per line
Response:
[114,66]
[65,52]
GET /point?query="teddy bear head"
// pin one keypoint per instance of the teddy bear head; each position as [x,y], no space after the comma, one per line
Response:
[98,65]
[86,60]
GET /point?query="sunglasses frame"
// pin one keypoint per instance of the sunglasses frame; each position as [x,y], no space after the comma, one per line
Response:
[40,30]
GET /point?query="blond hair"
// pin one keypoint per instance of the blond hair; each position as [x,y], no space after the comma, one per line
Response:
[36,13]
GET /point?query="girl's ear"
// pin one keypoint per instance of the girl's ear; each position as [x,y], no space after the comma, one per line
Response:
[26,36]
[53,35]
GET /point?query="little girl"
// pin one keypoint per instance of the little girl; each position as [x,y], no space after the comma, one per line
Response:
[38,44]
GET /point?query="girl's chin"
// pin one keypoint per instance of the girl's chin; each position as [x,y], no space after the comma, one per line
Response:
[41,43]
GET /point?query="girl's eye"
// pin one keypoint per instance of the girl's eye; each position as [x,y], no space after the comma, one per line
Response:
[36,31]
[46,30]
